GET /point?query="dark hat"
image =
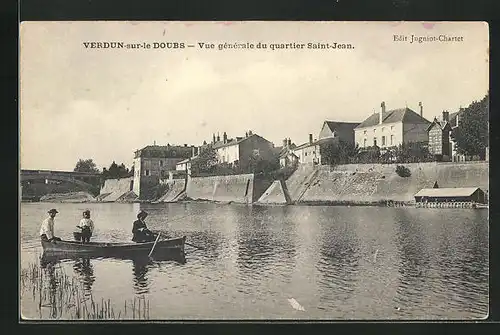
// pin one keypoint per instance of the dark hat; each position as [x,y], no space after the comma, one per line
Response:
[142,214]
[53,210]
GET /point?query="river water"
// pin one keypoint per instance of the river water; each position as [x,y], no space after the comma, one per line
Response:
[337,262]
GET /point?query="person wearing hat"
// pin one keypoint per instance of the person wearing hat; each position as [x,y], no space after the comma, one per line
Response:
[140,230]
[87,226]
[47,229]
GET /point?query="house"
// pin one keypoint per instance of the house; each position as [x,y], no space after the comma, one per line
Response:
[340,130]
[240,150]
[154,162]
[439,138]
[454,119]
[286,155]
[459,194]
[392,128]
[309,152]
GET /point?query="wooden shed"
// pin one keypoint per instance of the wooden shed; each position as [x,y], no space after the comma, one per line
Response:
[459,194]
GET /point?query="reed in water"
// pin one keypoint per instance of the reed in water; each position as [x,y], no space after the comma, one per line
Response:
[64,297]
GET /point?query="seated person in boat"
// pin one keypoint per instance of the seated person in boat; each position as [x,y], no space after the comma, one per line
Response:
[87,226]
[141,231]
[47,228]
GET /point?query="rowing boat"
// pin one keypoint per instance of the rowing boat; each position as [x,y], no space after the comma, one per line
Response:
[68,248]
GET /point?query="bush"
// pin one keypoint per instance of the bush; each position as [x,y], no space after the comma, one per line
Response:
[403,171]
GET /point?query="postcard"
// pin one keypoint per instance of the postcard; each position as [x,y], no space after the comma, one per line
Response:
[182,171]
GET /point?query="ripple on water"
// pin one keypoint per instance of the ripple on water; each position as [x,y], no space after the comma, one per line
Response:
[429,266]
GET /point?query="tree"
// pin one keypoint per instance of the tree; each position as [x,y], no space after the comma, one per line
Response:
[413,152]
[471,135]
[86,165]
[205,162]
[115,171]
[257,164]
[338,152]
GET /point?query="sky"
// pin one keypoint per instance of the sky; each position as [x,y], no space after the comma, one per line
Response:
[104,104]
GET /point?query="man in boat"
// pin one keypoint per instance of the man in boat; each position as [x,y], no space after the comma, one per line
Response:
[47,229]
[140,230]
[87,226]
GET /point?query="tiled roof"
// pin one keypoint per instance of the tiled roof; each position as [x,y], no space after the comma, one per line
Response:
[164,151]
[405,115]
[232,141]
[318,142]
[441,124]
[334,125]
[447,192]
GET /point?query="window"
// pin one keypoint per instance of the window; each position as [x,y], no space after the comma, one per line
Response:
[364,143]
[374,141]
[375,130]
[305,154]
[392,128]
[146,172]
[383,140]
[161,162]
[364,132]
[392,139]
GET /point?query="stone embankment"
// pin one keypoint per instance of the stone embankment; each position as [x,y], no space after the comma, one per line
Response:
[117,190]
[74,197]
[244,188]
[371,184]
[176,191]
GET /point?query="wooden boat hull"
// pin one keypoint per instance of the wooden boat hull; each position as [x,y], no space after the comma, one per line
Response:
[75,248]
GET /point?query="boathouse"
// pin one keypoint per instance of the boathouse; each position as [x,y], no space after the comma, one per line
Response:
[462,194]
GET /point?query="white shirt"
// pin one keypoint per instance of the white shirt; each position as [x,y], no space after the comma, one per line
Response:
[87,223]
[47,227]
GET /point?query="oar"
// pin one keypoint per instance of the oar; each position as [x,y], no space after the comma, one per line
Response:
[154,245]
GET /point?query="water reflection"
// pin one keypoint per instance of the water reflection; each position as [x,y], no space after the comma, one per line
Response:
[338,261]
[140,271]
[413,256]
[265,249]
[84,269]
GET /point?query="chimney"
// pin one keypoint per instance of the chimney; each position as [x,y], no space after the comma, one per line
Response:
[246,134]
[185,145]
[213,138]
[285,143]
[421,109]
[310,138]
[250,133]
[193,151]
[289,142]
[218,137]
[224,137]
[381,113]
[446,116]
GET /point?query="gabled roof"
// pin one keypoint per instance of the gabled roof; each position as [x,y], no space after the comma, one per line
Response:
[335,125]
[232,141]
[447,192]
[285,151]
[404,115]
[318,142]
[444,125]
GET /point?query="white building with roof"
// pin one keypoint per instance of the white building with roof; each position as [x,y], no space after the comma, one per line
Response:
[392,128]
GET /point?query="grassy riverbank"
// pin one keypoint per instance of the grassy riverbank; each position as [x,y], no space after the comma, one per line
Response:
[51,294]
